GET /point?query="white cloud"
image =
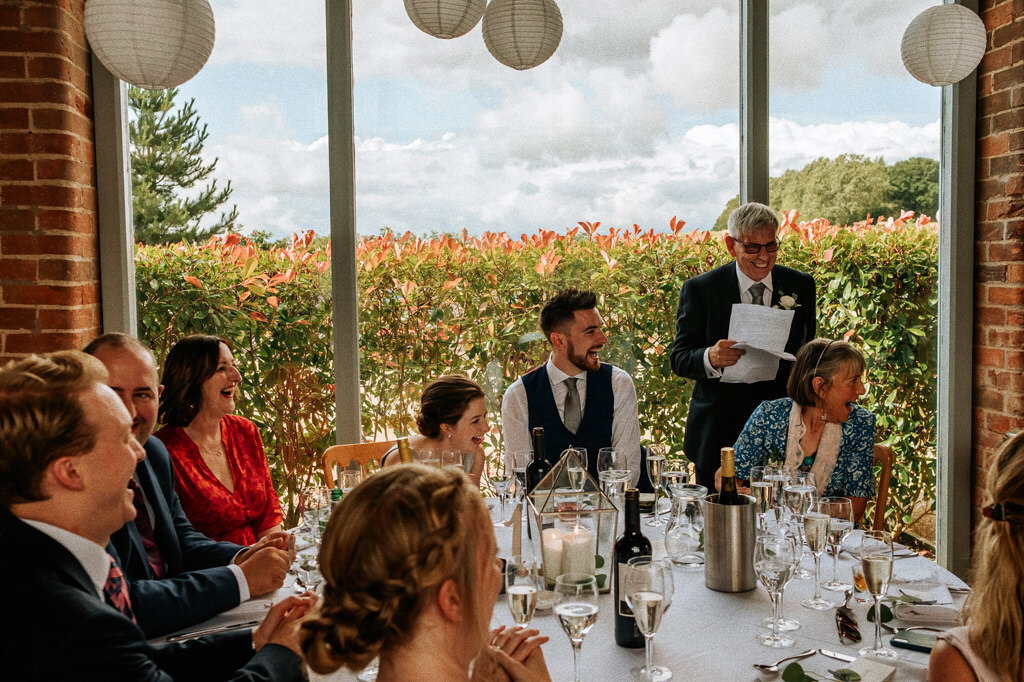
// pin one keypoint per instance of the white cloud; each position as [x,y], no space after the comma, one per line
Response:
[794,146]
[695,60]
[270,32]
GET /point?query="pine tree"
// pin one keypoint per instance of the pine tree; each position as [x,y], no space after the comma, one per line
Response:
[166,163]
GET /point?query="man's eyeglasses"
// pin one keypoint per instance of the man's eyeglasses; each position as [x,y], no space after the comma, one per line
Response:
[754,247]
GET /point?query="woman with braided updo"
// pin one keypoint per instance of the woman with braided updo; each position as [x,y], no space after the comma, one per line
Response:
[410,576]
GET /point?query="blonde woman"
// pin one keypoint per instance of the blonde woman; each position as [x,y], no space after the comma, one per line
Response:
[990,647]
[411,575]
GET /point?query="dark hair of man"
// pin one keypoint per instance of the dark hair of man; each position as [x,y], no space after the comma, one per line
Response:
[444,401]
[558,313]
[115,340]
[191,361]
[41,418]
[823,358]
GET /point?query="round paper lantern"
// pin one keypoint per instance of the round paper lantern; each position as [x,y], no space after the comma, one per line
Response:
[522,33]
[445,18]
[943,44]
[154,44]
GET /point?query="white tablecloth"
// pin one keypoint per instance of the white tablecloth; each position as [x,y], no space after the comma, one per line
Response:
[708,635]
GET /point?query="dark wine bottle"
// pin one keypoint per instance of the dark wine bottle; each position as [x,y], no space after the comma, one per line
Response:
[539,467]
[631,543]
[727,492]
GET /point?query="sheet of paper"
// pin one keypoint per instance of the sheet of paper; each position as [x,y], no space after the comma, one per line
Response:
[762,332]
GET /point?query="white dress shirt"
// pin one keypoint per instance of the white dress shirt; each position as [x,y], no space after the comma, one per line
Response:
[515,413]
[93,558]
[745,297]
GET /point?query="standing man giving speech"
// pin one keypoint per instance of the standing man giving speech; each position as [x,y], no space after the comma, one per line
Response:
[703,349]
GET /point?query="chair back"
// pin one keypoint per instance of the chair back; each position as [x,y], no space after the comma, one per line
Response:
[883,457]
[360,453]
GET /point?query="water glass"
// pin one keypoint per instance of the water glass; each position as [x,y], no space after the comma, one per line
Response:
[774,558]
[576,608]
[648,588]
[315,508]
[876,561]
[520,460]
[521,588]
[500,467]
[451,459]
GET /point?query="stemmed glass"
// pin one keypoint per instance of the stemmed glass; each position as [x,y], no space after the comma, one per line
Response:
[315,506]
[763,489]
[656,461]
[577,471]
[876,561]
[520,460]
[521,589]
[576,607]
[649,587]
[840,509]
[816,529]
[452,459]
[774,558]
[500,466]
[784,624]
[614,474]
[798,495]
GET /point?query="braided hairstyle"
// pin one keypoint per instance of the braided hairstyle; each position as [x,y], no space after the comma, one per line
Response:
[389,546]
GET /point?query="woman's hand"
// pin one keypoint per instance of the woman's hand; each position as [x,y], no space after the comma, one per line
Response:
[742,487]
[518,654]
[281,625]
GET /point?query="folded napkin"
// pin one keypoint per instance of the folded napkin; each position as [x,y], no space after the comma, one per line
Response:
[922,614]
[927,592]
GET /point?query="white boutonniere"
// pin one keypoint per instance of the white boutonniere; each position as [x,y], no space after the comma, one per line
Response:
[787,301]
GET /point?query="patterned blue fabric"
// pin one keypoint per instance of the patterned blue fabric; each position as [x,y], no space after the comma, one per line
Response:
[768,427]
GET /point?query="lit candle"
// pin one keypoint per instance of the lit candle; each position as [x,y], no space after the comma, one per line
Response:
[578,551]
[552,553]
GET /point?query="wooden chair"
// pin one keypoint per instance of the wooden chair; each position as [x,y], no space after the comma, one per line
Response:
[360,453]
[883,457]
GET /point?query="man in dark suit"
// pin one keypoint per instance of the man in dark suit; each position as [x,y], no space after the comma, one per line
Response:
[702,349]
[66,456]
[176,575]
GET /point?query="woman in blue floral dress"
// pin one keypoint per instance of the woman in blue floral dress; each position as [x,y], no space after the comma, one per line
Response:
[818,428]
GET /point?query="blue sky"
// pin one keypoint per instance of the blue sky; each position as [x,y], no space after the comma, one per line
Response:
[632,121]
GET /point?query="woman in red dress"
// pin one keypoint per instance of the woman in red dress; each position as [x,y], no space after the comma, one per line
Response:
[220,469]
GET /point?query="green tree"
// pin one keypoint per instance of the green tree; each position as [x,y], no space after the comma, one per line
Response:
[722,223]
[843,190]
[167,164]
[915,185]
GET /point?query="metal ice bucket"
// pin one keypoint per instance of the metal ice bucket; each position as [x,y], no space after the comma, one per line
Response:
[729,544]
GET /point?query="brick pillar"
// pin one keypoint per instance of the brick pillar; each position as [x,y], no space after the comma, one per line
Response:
[999,239]
[49,274]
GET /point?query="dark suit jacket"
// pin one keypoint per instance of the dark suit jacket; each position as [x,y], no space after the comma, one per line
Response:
[719,410]
[55,627]
[198,584]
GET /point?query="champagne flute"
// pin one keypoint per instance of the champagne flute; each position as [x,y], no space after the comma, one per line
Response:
[816,527]
[520,460]
[762,488]
[798,495]
[774,558]
[876,560]
[521,588]
[656,462]
[500,466]
[648,587]
[576,607]
[840,510]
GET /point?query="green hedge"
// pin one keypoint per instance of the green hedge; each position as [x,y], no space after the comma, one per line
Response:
[470,304]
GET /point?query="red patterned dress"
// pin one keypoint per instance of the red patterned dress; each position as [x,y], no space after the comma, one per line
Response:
[234,516]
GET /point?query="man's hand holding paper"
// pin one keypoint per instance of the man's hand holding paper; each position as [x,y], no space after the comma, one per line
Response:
[762,334]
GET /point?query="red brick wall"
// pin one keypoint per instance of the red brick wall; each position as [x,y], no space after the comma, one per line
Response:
[999,236]
[49,279]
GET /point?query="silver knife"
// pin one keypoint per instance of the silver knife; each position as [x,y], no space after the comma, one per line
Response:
[839,657]
[208,631]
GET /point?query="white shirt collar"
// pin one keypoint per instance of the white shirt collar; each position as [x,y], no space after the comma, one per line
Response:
[746,282]
[93,558]
[557,376]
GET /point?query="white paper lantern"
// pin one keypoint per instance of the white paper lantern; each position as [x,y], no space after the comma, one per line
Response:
[522,33]
[445,18]
[943,44]
[154,44]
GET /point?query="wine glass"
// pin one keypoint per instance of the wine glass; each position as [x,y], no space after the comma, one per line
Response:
[798,495]
[656,462]
[500,466]
[648,587]
[521,580]
[576,607]
[774,558]
[520,460]
[840,510]
[762,489]
[876,560]
[315,507]
[452,459]
[786,624]
[816,528]
[577,470]
[350,478]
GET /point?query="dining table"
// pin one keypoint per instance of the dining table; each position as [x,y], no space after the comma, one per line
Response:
[705,634]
